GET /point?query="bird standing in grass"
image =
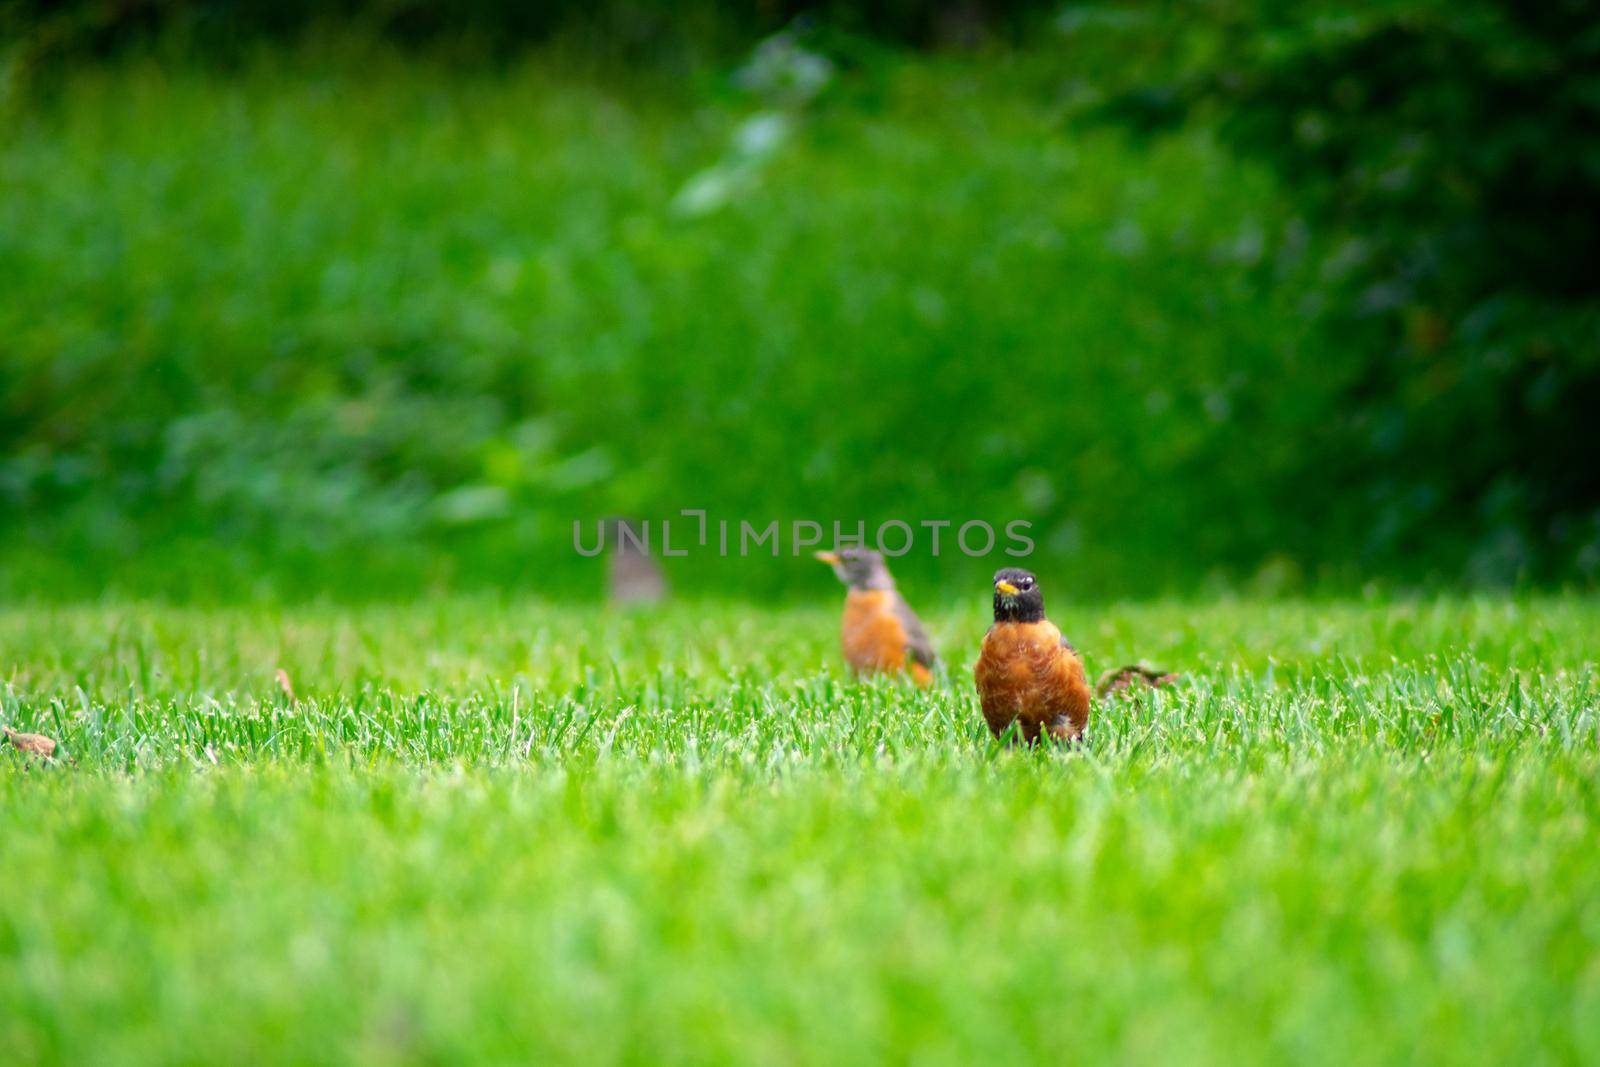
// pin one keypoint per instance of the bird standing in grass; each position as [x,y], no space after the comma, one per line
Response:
[30,744]
[880,632]
[1028,673]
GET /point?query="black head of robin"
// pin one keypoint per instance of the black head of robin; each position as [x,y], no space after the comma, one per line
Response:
[1029,677]
[880,632]
[1017,596]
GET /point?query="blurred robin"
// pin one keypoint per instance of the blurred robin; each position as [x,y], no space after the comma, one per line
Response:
[32,744]
[1028,674]
[880,632]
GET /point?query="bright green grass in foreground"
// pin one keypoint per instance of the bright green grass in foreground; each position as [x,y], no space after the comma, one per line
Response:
[503,833]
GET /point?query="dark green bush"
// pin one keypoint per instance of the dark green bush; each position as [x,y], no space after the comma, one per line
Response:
[1449,152]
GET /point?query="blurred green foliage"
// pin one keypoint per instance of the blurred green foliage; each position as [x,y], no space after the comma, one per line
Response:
[344,318]
[1449,154]
[308,312]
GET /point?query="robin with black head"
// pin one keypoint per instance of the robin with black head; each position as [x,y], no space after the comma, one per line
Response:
[1028,674]
[880,633]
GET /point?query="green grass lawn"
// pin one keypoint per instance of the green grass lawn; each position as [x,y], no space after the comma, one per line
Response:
[496,832]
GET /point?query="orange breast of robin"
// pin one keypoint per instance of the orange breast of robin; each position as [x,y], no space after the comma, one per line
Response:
[872,637]
[1024,675]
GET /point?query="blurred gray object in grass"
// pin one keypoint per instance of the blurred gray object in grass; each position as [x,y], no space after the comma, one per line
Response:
[632,576]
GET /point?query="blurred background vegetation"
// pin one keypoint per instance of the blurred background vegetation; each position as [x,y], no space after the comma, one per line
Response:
[371,297]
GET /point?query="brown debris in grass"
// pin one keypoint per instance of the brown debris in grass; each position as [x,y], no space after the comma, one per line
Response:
[1134,676]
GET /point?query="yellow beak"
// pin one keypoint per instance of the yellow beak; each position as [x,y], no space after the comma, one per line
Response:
[1005,588]
[829,558]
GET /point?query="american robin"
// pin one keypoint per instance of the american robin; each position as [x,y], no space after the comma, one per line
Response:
[1028,673]
[880,631]
[33,744]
